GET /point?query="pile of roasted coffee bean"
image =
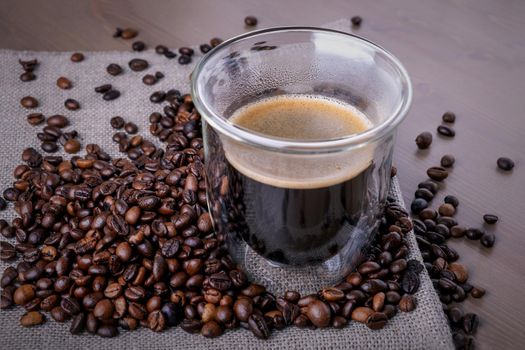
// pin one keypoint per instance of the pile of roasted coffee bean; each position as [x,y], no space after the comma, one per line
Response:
[433,228]
[128,242]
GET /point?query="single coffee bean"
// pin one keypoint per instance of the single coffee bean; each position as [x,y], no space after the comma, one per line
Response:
[31,319]
[29,102]
[27,76]
[159,75]
[111,95]
[407,303]
[205,48]
[356,21]
[474,233]
[250,21]
[258,326]
[149,79]
[157,97]
[417,205]
[117,122]
[71,104]
[451,200]
[131,128]
[78,324]
[58,121]
[104,309]
[447,161]
[114,69]
[107,331]
[505,163]
[49,146]
[446,130]
[138,64]
[446,209]
[488,240]
[477,292]
[72,146]
[156,321]
[77,57]
[35,118]
[7,251]
[424,140]
[188,51]
[376,320]
[103,88]
[424,193]
[215,42]
[470,323]
[138,46]
[64,83]
[460,271]
[161,49]
[490,219]
[117,33]
[437,173]
[28,65]
[128,33]
[184,59]
[319,313]
[211,329]
[24,294]
[449,117]
[410,282]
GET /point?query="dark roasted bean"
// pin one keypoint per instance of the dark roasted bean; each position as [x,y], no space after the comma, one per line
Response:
[446,130]
[505,163]
[424,140]
[138,64]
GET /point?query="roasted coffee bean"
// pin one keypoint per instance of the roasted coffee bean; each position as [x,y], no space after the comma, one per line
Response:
[58,121]
[418,204]
[410,282]
[70,305]
[211,329]
[470,323]
[31,319]
[78,324]
[107,331]
[27,76]
[437,173]
[258,326]
[114,69]
[128,33]
[77,57]
[188,51]
[474,233]
[111,95]
[184,59]
[376,320]
[430,185]
[103,88]
[205,48]
[451,200]
[424,140]
[424,193]
[447,161]
[35,118]
[157,97]
[242,309]
[446,130]
[71,104]
[8,276]
[161,49]
[477,292]
[138,46]
[250,21]
[7,251]
[490,219]
[215,42]
[488,239]
[64,83]
[505,163]
[449,117]
[407,303]
[58,314]
[131,128]
[149,79]
[356,21]
[29,102]
[72,146]
[104,309]
[49,147]
[117,122]
[138,64]
[460,271]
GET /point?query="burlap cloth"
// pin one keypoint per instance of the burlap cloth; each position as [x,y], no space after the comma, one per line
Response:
[424,328]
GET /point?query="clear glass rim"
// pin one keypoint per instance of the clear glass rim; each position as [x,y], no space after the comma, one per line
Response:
[239,134]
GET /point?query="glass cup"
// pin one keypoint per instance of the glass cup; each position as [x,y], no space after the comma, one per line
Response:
[298,214]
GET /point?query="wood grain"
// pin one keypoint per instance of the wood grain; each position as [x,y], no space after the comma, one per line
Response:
[465,56]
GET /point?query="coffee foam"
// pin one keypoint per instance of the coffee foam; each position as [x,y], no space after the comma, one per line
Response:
[299,117]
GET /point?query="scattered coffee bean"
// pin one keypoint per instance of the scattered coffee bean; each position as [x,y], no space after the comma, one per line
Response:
[77,57]
[114,69]
[49,146]
[205,48]
[161,49]
[449,117]
[72,146]
[490,219]
[169,54]
[446,130]
[35,118]
[131,128]
[58,121]
[418,205]
[250,21]
[111,95]
[29,102]
[159,75]
[103,88]
[488,239]
[138,64]
[477,292]
[183,59]
[149,79]
[447,161]
[138,46]
[64,83]
[356,21]
[437,173]
[474,233]
[407,303]
[71,104]
[128,33]
[158,97]
[117,122]
[27,76]
[117,33]
[29,65]
[32,318]
[215,42]
[187,51]
[505,163]
[424,140]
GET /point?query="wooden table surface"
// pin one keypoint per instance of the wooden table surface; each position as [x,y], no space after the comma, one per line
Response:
[464,56]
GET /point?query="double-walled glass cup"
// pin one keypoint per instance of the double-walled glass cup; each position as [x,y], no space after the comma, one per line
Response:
[294,213]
